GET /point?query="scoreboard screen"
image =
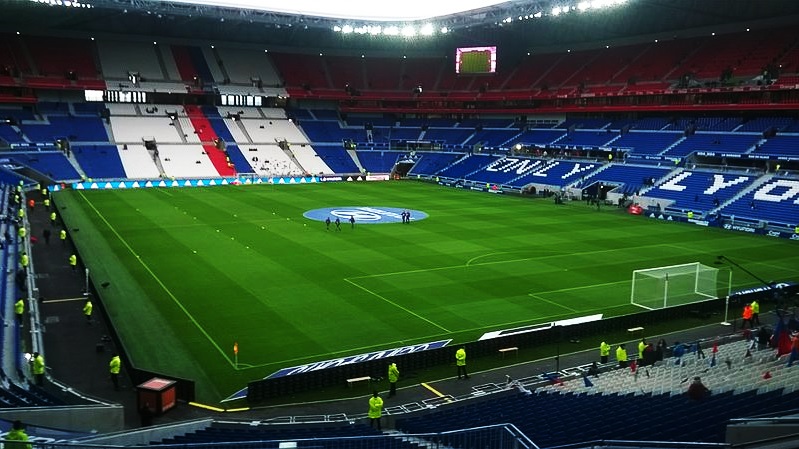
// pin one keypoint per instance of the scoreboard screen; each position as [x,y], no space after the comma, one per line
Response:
[471,60]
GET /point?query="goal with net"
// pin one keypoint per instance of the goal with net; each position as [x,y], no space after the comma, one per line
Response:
[674,285]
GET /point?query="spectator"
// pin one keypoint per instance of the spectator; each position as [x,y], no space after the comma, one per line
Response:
[697,390]
[763,338]
[593,370]
[698,348]
[678,351]
[794,349]
[660,350]
[649,358]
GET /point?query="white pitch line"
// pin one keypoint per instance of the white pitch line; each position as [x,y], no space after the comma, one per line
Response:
[49,301]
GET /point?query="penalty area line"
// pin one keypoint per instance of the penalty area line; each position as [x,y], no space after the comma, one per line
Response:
[533,295]
[377,295]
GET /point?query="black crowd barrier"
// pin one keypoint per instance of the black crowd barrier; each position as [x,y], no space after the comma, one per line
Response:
[264,389]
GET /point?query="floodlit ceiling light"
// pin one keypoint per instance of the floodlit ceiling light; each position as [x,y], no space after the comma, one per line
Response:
[556,11]
[408,31]
[392,30]
[582,6]
[337,29]
[538,15]
[444,30]
[374,30]
[427,30]
[346,29]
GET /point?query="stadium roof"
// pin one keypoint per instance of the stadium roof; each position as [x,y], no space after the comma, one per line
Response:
[516,26]
[407,10]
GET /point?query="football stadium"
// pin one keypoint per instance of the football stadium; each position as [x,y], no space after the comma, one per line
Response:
[520,224]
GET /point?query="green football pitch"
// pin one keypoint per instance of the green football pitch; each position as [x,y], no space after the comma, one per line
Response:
[192,271]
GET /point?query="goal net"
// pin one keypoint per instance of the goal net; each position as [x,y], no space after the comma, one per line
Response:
[661,287]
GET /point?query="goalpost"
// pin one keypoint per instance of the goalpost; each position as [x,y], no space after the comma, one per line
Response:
[674,285]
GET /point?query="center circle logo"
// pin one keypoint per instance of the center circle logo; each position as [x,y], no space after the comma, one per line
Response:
[359,215]
[366,214]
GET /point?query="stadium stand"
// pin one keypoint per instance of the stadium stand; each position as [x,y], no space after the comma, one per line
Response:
[697,190]
[212,141]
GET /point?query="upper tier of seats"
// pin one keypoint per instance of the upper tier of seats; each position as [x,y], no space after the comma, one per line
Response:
[73,63]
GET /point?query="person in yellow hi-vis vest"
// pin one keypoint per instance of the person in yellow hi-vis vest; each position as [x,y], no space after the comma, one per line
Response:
[621,356]
[113,368]
[73,262]
[87,310]
[375,410]
[460,360]
[38,368]
[604,352]
[63,236]
[393,377]
[19,310]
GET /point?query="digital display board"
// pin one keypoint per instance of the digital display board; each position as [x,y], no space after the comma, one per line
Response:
[472,60]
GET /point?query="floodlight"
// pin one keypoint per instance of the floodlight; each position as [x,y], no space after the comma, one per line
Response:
[374,30]
[538,15]
[337,29]
[444,30]
[556,11]
[427,29]
[408,31]
[392,30]
[346,29]
[582,6]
